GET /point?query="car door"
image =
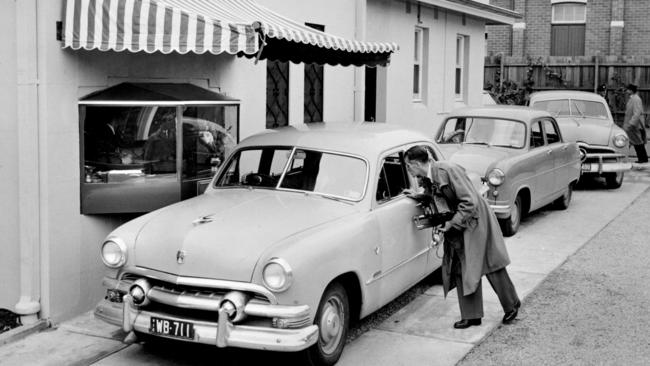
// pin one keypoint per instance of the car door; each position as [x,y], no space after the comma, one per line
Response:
[403,247]
[559,153]
[543,181]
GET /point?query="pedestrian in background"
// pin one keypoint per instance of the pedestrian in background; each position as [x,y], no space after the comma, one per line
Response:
[473,244]
[634,125]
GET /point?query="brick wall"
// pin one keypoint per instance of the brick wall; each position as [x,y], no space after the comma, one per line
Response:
[597,32]
[636,33]
[632,41]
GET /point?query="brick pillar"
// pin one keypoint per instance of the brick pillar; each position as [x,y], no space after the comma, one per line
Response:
[519,30]
[616,28]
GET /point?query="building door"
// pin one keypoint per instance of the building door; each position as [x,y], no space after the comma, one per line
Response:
[371,94]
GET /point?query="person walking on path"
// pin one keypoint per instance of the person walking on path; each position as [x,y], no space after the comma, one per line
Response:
[633,123]
[473,243]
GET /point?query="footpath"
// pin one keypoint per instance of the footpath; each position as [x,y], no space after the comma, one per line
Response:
[420,333]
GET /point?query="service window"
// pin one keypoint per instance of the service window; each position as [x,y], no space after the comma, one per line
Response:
[143,146]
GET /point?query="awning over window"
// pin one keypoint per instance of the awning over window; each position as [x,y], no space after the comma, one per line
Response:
[240,27]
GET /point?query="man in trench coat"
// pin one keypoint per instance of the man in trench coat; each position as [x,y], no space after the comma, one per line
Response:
[473,245]
[633,123]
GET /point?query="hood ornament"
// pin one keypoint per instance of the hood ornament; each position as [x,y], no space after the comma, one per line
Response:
[180,256]
[203,219]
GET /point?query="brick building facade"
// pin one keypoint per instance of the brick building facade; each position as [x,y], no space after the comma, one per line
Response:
[614,28]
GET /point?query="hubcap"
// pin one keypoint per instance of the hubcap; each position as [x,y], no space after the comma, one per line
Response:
[331,329]
[514,214]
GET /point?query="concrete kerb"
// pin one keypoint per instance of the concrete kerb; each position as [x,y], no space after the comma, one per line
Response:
[23,331]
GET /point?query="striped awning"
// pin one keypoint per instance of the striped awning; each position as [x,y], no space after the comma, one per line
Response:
[240,27]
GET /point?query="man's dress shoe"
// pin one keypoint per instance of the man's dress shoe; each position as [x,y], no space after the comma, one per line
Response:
[466,323]
[512,314]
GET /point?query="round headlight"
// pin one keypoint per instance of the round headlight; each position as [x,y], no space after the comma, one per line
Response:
[277,275]
[496,177]
[114,252]
[620,140]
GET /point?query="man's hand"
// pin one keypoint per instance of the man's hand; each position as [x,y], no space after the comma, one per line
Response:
[446,227]
[206,137]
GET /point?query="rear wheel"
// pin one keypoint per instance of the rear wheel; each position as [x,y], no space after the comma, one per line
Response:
[510,225]
[333,319]
[614,180]
[563,202]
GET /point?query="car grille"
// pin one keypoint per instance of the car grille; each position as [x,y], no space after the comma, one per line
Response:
[172,289]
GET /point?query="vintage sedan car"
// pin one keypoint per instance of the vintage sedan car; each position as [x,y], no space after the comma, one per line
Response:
[585,118]
[520,153]
[303,230]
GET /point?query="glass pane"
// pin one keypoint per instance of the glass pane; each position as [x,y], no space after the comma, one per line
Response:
[416,80]
[551,133]
[454,131]
[207,139]
[459,75]
[584,108]
[416,48]
[495,132]
[555,107]
[536,138]
[459,51]
[259,167]
[328,174]
[128,144]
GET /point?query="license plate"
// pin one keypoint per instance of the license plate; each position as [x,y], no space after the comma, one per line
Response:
[586,167]
[171,328]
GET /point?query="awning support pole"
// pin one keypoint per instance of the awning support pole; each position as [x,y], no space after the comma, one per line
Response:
[262,44]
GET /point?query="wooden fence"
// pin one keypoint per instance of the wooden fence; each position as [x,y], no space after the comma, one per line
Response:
[585,76]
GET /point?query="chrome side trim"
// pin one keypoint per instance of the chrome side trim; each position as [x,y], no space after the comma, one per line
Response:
[379,275]
[501,209]
[200,282]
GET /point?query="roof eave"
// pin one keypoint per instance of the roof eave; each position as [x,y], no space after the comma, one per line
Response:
[493,15]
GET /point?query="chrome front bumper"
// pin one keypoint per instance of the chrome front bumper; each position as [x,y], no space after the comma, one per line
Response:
[222,332]
[501,211]
[595,164]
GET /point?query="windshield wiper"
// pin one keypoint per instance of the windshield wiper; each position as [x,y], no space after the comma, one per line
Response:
[337,199]
[579,111]
[477,143]
[510,146]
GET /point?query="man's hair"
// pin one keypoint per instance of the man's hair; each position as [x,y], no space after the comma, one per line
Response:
[631,87]
[418,153]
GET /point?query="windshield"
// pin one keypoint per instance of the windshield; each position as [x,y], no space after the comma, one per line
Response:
[484,131]
[296,169]
[573,108]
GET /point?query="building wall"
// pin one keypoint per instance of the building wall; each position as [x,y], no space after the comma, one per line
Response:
[68,266]
[600,37]
[636,29]
[9,237]
[438,98]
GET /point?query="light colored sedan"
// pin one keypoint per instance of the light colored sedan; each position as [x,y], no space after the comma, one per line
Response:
[585,118]
[303,230]
[521,154]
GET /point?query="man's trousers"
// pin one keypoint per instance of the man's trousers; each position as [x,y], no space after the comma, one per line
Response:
[471,306]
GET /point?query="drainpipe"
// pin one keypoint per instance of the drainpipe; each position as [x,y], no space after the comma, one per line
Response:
[360,71]
[29,197]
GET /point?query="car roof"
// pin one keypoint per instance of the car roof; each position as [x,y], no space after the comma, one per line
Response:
[366,139]
[566,94]
[500,111]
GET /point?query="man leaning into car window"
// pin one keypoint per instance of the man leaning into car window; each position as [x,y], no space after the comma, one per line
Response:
[473,244]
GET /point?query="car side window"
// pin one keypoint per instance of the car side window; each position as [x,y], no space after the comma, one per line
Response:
[536,137]
[552,135]
[392,178]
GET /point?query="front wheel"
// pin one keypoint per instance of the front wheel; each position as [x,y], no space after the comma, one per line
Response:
[510,225]
[614,180]
[333,319]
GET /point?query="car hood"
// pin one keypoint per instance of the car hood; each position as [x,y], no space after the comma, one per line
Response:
[476,158]
[224,233]
[590,130]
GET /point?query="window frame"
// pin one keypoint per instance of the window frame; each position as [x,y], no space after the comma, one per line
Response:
[418,64]
[461,66]
[556,5]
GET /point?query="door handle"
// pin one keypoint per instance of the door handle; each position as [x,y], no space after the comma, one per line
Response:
[549,152]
